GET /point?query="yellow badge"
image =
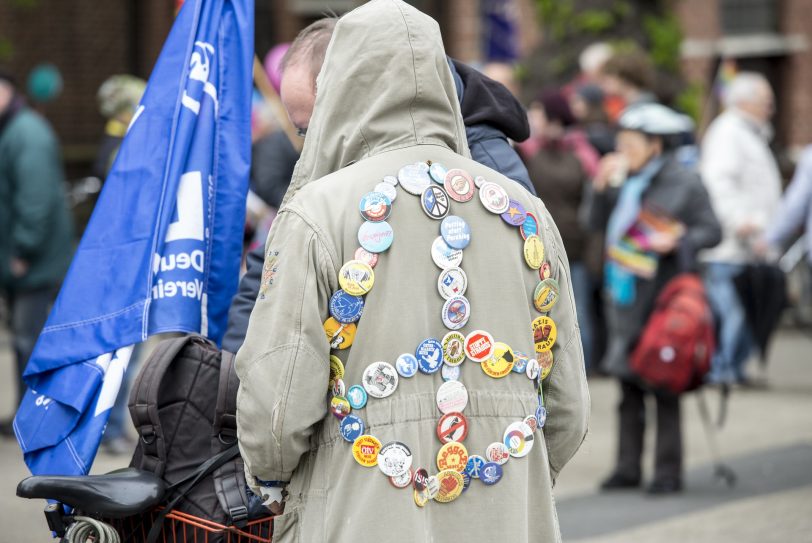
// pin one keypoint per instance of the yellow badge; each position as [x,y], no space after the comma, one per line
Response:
[339,335]
[545,360]
[501,362]
[451,485]
[452,455]
[421,497]
[544,335]
[365,450]
[336,368]
[533,251]
[546,295]
[356,277]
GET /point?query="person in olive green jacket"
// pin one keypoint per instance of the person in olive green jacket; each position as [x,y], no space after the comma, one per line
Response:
[36,229]
[386,100]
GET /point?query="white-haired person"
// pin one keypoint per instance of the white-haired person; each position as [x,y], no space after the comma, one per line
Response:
[744,183]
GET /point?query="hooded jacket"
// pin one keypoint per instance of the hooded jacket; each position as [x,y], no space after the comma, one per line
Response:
[388,100]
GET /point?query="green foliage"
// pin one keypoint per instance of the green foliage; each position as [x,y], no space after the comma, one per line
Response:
[690,100]
[665,36]
[594,21]
[6,50]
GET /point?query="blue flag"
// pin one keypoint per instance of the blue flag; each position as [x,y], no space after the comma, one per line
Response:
[162,250]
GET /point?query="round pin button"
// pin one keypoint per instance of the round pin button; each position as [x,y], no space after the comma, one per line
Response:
[494,198]
[434,201]
[450,373]
[530,226]
[452,455]
[544,271]
[459,184]
[474,466]
[452,427]
[497,452]
[533,369]
[421,479]
[546,295]
[452,397]
[337,387]
[357,396]
[545,360]
[455,232]
[429,356]
[479,345]
[518,439]
[466,482]
[533,251]
[454,348]
[389,190]
[520,362]
[394,459]
[375,206]
[345,307]
[336,368]
[365,450]
[414,178]
[532,422]
[544,334]
[432,487]
[340,336]
[515,214]
[500,363]
[444,256]
[479,181]
[456,312]
[421,497]
[541,415]
[451,484]
[370,259]
[402,481]
[406,364]
[452,282]
[376,237]
[491,473]
[437,172]
[340,407]
[351,428]
[380,379]
[356,277]
[390,180]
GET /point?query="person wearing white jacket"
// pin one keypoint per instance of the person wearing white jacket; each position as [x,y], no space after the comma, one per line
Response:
[744,184]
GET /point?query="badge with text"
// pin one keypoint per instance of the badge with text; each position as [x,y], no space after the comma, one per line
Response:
[452,455]
[434,201]
[340,336]
[394,459]
[545,360]
[451,485]
[452,396]
[497,452]
[455,232]
[460,185]
[345,307]
[375,206]
[452,282]
[356,277]
[533,251]
[479,345]
[429,355]
[515,214]
[380,379]
[456,312]
[336,368]
[494,198]
[500,363]
[365,450]
[352,427]
[546,295]
[544,334]
[389,190]
[376,237]
[454,348]
[414,178]
[403,480]
[518,439]
[530,226]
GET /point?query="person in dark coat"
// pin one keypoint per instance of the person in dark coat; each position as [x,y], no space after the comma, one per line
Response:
[655,184]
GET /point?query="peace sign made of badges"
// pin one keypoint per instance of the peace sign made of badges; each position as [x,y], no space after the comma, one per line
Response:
[437,187]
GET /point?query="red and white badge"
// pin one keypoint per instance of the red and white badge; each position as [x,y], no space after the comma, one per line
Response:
[452,396]
[421,479]
[403,480]
[370,259]
[479,345]
[452,427]
[497,452]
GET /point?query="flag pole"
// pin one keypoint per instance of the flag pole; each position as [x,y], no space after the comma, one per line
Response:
[272,99]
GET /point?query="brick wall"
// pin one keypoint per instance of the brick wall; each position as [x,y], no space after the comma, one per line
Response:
[797,76]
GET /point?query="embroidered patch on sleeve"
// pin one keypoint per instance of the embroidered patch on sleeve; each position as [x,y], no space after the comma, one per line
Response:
[269,270]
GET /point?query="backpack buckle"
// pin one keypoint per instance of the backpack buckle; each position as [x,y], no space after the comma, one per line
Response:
[238,515]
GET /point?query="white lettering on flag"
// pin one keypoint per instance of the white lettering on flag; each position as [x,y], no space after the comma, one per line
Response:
[114,367]
[190,209]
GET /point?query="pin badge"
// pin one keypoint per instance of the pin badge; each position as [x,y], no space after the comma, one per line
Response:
[454,348]
[497,452]
[491,473]
[545,360]
[437,172]
[432,487]
[451,484]
[450,373]
[494,198]
[456,312]
[518,439]
[544,271]
[365,450]
[340,336]
[541,415]
[474,466]
[479,345]
[533,369]
[403,480]
[380,379]
[500,363]
[357,396]
[429,356]
[515,214]
[406,364]
[479,181]
[336,368]
[444,256]
[452,427]
[459,185]
[390,180]
[520,362]
[345,307]
[370,259]
[546,295]
[532,422]
[434,201]
[351,428]
[337,387]
[452,397]
[375,206]
[340,407]
[530,226]
[455,232]
[452,282]
[544,334]
[421,479]
[376,237]
[389,190]
[414,178]
[421,497]
[356,277]
[452,455]
[394,459]
[533,251]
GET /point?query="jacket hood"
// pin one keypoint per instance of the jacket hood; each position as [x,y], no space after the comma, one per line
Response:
[385,85]
[485,101]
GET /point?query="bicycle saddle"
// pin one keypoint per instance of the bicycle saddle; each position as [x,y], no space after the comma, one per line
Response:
[118,494]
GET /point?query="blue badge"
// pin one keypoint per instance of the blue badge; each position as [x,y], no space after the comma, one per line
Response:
[515,214]
[406,365]
[466,481]
[429,356]
[474,466]
[345,307]
[437,172]
[376,237]
[352,427]
[541,415]
[357,396]
[455,232]
[375,206]
[451,373]
[435,202]
[520,361]
[491,473]
[530,226]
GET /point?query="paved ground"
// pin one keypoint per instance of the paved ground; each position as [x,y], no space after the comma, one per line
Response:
[767,442]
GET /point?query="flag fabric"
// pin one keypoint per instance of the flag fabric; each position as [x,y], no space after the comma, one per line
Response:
[162,250]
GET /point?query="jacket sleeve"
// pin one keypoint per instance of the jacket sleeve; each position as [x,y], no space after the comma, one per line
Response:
[283,364]
[720,169]
[596,208]
[38,178]
[566,395]
[243,302]
[796,205]
[703,230]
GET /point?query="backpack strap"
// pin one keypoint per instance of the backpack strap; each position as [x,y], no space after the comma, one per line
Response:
[143,402]
[229,479]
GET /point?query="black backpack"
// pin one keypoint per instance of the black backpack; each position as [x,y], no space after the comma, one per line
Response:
[183,405]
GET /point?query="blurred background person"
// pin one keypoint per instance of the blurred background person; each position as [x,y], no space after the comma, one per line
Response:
[118,98]
[744,183]
[653,182]
[628,77]
[561,162]
[587,105]
[36,228]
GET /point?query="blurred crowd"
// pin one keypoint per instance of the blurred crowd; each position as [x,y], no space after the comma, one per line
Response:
[638,196]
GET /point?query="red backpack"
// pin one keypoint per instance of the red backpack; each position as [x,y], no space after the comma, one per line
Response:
[674,352]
